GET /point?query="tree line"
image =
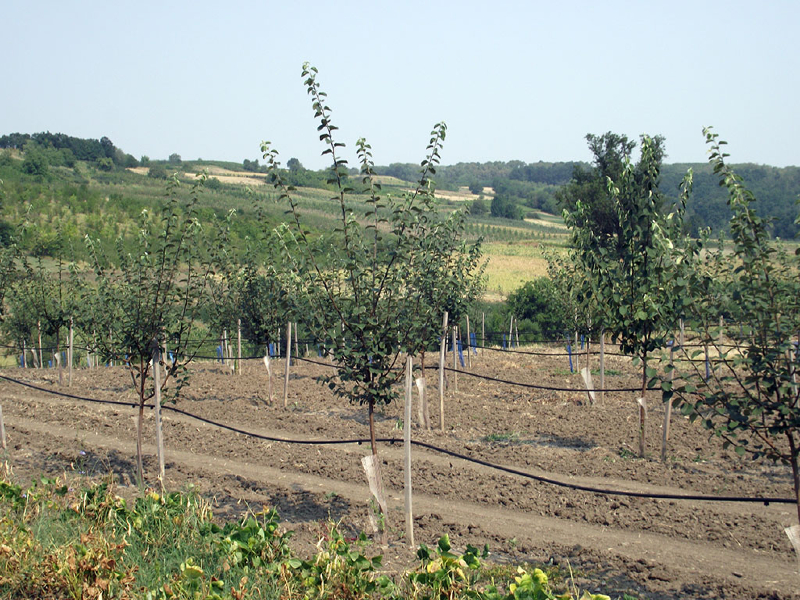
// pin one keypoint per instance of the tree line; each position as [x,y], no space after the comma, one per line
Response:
[521,187]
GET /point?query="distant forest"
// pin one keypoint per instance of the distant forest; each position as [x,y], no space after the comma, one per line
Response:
[519,188]
[535,186]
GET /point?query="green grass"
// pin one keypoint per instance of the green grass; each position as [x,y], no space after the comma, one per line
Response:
[506,438]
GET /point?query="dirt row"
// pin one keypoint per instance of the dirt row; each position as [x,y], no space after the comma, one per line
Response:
[654,548]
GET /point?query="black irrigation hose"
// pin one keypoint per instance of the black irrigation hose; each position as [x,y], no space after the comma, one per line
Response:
[496,380]
[477,461]
[65,395]
[528,352]
[541,387]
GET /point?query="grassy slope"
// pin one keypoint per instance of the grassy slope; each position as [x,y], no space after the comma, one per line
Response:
[106,205]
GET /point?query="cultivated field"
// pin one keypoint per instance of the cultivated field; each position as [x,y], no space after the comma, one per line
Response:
[651,548]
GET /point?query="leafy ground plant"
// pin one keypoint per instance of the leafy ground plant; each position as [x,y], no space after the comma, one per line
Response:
[57,541]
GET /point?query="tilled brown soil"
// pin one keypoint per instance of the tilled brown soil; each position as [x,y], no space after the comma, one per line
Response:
[653,548]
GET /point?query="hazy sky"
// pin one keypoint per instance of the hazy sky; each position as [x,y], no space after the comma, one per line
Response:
[523,80]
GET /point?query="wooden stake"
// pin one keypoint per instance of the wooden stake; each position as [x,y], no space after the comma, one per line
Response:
[602,364]
[41,357]
[407,454]
[296,342]
[57,357]
[441,371]
[469,345]
[71,347]
[239,346]
[288,361]
[643,409]
[483,329]
[3,443]
[24,357]
[224,344]
[2,430]
[455,361]
[511,333]
[668,407]
[159,433]
[269,375]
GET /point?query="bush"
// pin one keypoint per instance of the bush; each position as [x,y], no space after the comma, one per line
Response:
[105,164]
[35,163]
[538,308]
[478,208]
[157,172]
[504,207]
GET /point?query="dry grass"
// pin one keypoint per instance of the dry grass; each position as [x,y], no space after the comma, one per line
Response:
[507,273]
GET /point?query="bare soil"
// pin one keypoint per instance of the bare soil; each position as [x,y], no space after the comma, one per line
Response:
[651,548]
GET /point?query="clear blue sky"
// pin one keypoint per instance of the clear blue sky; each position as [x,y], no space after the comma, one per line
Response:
[518,80]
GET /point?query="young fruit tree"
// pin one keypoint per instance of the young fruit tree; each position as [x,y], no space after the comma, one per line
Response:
[154,290]
[370,290]
[631,264]
[45,297]
[749,395]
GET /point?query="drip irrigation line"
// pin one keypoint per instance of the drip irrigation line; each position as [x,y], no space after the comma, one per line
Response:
[431,447]
[540,387]
[71,396]
[315,362]
[496,380]
[528,352]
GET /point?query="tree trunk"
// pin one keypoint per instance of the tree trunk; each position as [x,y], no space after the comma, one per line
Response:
[372,427]
[139,465]
[793,461]
[383,521]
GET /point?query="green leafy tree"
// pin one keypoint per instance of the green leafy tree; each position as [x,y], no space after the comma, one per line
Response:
[8,281]
[503,206]
[175,159]
[539,307]
[262,297]
[476,187]
[214,184]
[368,294]
[155,293]
[478,208]
[45,293]
[750,398]
[294,164]
[44,298]
[612,154]
[35,162]
[631,267]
